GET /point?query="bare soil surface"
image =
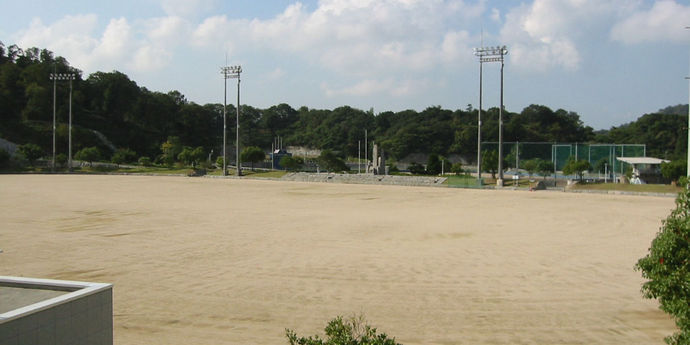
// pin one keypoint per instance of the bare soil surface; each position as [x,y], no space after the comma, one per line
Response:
[227,261]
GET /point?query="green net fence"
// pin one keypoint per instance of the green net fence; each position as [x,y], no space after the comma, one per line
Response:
[598,155]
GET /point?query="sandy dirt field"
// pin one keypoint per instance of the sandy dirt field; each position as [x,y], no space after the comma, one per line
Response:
[225,261]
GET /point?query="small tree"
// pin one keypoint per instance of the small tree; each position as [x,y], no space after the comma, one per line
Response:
[253,155]
[674,170]
[544,167]
[416,169]
[61,159]
[433,165]
[457,168]
[577,167]
[490,162]
[145,161]
[171,149]
[331,162]
[531,165]
[191,156]
[89,154]
[4,159]
[600,165]
[354,331]
[291,163]
[122,156]
[667,268]
[31,152]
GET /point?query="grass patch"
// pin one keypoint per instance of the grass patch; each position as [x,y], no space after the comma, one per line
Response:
[150,170]
[265,174]
[461,181]
[642,188]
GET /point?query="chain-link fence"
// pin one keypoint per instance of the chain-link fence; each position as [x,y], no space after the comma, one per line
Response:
[600,156]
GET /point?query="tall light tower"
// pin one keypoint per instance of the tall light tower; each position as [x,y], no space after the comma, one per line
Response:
[491,54]
[55,77]
[230,72]
[688,167]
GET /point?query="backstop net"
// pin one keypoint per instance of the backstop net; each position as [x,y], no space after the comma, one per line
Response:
[598,155]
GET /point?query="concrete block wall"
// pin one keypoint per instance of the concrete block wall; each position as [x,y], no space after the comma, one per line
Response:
[84,316]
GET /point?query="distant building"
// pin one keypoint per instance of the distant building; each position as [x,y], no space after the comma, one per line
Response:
[276,156]
[644,169]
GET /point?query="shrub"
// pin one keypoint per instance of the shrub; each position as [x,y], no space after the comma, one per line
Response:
[667,268]
[674,170]
[416,169]
[354,331]
[290,163]
[457,169]
[89,154]
[145,161]
[4,159]
[31,152]
[122,156]
[61,159]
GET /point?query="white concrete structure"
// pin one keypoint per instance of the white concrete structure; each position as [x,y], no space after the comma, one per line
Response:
[55,312]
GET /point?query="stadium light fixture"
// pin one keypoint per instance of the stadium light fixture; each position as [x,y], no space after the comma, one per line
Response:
[490,54]
[55,77]
[230,72]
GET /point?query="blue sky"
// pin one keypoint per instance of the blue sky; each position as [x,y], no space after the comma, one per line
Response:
[609,61]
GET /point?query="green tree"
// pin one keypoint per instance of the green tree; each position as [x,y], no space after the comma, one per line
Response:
[89,154]
[191,156]
[531,165]
[433,165]
[354,331]
[61,159]
[122,156]
[490,162]
[544,167]
[329,161]
[601,164]
[667,269]
[457,168]
[416,169]
[171,149]
[4,159]
[577,167]
[253,155]
[31,152]
[674,170]
[291,163]
[145,161]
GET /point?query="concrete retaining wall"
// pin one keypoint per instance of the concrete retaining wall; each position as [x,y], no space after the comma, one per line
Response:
[427,181]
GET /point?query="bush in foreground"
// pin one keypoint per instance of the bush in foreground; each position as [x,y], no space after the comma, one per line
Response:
[667,268]
[353,331]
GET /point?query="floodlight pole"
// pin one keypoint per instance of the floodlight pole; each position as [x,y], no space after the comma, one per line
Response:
[500,128]
[688,167]
[479,126]
[224,71]
[229,72]
[55,77]
[491,54]
[238,70]
[69,154]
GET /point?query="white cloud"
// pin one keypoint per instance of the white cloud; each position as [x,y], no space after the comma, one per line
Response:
[187,8]
[71,36]
[356,37]
[118,46]
[544,34]
[664,22]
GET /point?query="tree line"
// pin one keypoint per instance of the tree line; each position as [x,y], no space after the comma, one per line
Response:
[122,119]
